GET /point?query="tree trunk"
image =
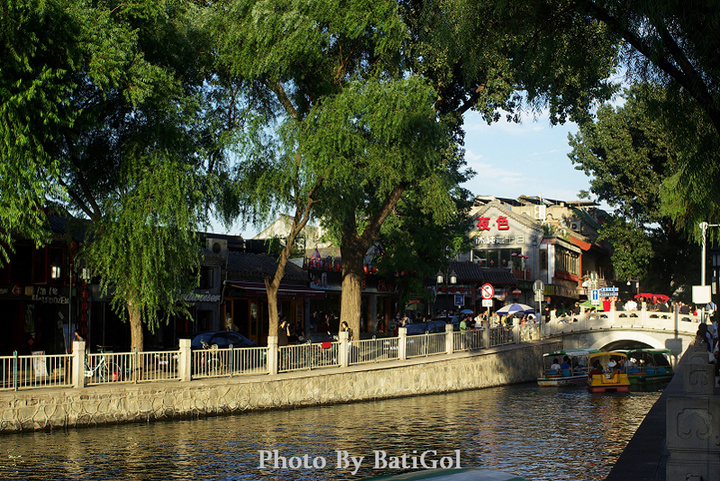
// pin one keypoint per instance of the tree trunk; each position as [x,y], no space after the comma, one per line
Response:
[352,254]
[272,284]
[353,249]
[136,331]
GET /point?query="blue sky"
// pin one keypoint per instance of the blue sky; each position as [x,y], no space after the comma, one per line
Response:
[529,158]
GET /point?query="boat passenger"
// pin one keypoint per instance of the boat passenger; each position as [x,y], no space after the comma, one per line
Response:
[566,363]
[611,364]
[619,367]
[555,366]
[596,369]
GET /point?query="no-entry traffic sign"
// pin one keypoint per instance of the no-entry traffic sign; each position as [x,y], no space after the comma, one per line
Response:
[487,291]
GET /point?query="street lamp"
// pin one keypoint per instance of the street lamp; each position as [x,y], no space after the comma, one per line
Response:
[442,279]
[703,228]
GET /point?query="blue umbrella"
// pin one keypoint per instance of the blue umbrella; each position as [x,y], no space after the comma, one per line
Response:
[516,309]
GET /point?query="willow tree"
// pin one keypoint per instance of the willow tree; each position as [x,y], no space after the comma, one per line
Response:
[118,121]
[31,97]
[327,70]
[298,57]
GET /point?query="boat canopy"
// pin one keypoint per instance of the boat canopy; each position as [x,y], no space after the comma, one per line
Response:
[571,352]
[607,353]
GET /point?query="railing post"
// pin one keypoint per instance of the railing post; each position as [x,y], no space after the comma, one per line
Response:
[185,361]
[344,348]
[486,334]
[402,343]
[449,341]
[16,360]
[691,425]
[78,364]
[272,356]
[135,365]
[516,331]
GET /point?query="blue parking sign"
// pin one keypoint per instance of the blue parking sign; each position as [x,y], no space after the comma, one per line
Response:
[459,299]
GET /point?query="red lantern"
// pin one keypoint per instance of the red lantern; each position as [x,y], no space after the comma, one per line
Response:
[85,294]
[84,305]
[365,269]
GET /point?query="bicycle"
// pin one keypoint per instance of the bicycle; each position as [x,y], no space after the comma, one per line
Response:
[104,370]
[210,362]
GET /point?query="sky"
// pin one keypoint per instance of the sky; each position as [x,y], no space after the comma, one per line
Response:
[510,160]
[529,158]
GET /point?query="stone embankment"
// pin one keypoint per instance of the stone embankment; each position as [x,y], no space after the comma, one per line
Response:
[46,409]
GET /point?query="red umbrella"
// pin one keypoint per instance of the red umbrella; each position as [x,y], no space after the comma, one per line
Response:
[657,297]
[644,295]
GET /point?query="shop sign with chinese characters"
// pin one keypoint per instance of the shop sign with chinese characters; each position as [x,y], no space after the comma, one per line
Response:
[485,224]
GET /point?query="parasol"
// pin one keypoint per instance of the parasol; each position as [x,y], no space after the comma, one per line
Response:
[516,309]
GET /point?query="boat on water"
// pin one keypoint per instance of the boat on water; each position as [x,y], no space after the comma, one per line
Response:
[647,365]
[608,372]
[566,367]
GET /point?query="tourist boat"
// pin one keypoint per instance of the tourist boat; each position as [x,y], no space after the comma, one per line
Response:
[648,365]
[576,374]
[608,372]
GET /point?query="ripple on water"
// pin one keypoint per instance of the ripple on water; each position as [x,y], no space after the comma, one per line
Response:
[539,433]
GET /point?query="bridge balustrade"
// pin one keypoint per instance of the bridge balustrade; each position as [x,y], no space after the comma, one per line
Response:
[634,320]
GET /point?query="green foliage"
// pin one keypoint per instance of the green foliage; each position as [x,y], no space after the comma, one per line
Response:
[631,160]
[105,112]
[142,248]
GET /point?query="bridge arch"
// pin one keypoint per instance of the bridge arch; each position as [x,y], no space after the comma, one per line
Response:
[602,339]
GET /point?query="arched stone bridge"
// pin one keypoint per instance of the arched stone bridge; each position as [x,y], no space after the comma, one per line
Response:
[624,329]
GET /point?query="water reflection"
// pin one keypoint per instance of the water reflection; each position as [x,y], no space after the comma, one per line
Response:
[538,433]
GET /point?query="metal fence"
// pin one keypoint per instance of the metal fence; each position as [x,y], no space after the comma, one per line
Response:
[425,344]
[228,362]
[501,335]
[469,340]
[35,371]
[308,356]
[374,350]
[105,368]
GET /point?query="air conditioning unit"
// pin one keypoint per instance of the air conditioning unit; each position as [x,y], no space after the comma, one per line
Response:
[217,246]
[540,212]
[575,226]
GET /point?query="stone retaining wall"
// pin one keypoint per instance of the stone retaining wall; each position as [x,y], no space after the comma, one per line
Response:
[56,408]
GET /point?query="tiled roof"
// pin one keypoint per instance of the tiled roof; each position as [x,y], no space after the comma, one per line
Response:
[470,272]
[247,265]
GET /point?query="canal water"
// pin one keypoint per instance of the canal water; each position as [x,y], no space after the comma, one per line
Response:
[548,434]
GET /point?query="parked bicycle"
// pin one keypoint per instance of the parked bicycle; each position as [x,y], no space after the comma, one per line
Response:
[210,361]
[102,370]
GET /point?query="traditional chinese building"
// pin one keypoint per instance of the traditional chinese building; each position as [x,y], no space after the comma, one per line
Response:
[549,240]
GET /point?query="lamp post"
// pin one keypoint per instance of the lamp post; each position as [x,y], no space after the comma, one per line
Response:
[703,228]
[442,279]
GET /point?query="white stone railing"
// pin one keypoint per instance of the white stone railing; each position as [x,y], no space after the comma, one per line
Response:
[81,369]
[692,431]
[641,319]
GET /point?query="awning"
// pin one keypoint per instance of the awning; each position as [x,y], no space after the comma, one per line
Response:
[257,289]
